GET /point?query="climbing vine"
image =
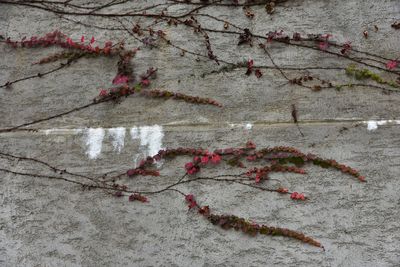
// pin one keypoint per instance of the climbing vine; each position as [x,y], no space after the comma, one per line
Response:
[152,27]
[255,168]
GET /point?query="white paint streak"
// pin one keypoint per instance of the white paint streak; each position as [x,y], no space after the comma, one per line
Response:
[117,138]
[372,125]
[248,126]
[77,131]
[150,140]
[151,137]
[62,131]
[135,160]
[94,141]
[134,133]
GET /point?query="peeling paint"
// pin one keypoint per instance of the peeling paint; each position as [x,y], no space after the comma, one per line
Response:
[372,125]
[151,137]
[150,140]
[117,138]
[62,131]
[134,133]
[248,126]
[94,141]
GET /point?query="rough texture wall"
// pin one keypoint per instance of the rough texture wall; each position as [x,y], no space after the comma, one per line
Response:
[52,223]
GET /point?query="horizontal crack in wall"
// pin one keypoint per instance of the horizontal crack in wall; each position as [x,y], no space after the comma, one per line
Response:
[372,125]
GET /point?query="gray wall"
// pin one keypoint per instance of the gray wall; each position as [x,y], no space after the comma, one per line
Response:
[53,223]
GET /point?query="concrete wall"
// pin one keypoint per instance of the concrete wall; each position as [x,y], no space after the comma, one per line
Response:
[53,223]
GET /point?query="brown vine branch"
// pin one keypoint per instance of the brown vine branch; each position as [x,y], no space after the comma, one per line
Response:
[41,74]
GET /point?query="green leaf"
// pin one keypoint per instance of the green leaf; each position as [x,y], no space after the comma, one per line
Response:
[138,87]
[298,161]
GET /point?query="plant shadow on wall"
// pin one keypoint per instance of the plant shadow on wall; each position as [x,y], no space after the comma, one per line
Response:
[252,168]
[149,26]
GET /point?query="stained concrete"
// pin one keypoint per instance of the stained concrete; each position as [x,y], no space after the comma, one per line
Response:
[52,223]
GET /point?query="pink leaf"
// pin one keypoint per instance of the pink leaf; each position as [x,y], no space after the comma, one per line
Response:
[138,197]
[250,144]
[251,158]
[192,202]
[297,196]
[346,48]
[215,158]
[258,73]
[145,82]
[189,198]
[103,92]
[250,64]
[120,79]
[70,42]
[204,160]
[323,45]
[131,172]
[189,165]
[192,205]
[391,64]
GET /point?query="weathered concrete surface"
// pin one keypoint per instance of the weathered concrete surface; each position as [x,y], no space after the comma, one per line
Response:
[51,223]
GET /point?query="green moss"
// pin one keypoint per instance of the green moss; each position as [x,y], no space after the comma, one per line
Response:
[322,163]
[363,74]
[297,161]
[138,88]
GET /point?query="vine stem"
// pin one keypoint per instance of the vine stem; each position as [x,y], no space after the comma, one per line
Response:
[41,74]
[49,118]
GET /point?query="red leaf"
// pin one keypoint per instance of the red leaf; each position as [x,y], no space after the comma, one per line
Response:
[120,79]
[251,158]
[70,42]
[204,210]
[204,159]
[189,198]
[189,165]
[131,172]
[323,45]
[192,205]
[258,73]
[145,82]
[141,198]
[250,64]
[297,196]
[346,48]
[103,92]
[250,144]
[282,190]
[391,64]
[215,158]
[192,202]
